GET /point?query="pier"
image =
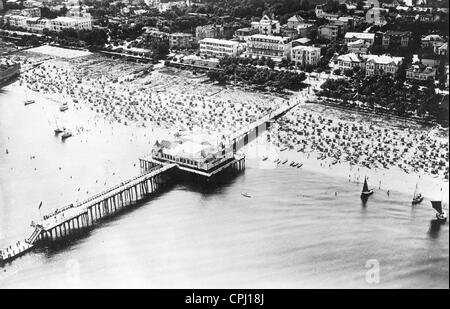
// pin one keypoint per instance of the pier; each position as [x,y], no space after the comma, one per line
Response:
[156,170]
[73,218]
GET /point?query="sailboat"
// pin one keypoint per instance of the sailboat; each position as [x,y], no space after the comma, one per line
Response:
[58,128]
[441,214]
[366,192]
[28,101]
[64,106]
[417,197]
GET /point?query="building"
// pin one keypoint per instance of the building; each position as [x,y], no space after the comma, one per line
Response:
[215,48]
[36,24]
[17,21]
[420,72]
[305,55]
[349,22]
[432,40]
[294,22]
[267,26]
[208,31]
[77,23]
[378,65]
[192,154]
[396,39]
[153,34]
[275,47]
[349,61]
[441,50]
[306,30]
[301,41]
[372,4]
[181,40]
[376,16]
[329,32]
[31,12]
[358,36]
[243,34]
[371,64]
[319,11]
[358,47]
[389,5]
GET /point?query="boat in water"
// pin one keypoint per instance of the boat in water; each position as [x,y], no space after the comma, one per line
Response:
[441,214]
[27,100]
[246,195]
[66,134]
[366,192]
[64,106]
[58,127]
[417,197]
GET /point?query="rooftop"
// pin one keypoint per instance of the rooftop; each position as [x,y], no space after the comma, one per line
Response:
[219,41]
[270,37]
[360,35]
[308,48]
[383,59]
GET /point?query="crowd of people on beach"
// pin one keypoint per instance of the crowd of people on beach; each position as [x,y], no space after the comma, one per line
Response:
[180,104]
[169,108]
[362,144]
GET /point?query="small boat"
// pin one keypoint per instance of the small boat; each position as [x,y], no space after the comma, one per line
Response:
[27,100]
[58,127]
[441,215]
[246,195]
[64,106]
[300,165]
[366,192]
[265,158]
[417,197]
[284,162]
[66,134]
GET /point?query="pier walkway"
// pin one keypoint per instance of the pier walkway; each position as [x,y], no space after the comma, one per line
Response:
[276,113]
[74,217]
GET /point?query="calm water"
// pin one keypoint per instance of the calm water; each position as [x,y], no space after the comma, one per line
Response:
[292,233]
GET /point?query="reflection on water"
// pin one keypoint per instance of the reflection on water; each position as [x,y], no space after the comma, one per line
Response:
[293,232]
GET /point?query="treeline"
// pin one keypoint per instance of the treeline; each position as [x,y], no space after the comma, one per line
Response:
[390,94]
[92,39]
[245,72]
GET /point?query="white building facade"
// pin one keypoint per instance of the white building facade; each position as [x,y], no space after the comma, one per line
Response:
[305,55]
[275,47]
[215,48]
